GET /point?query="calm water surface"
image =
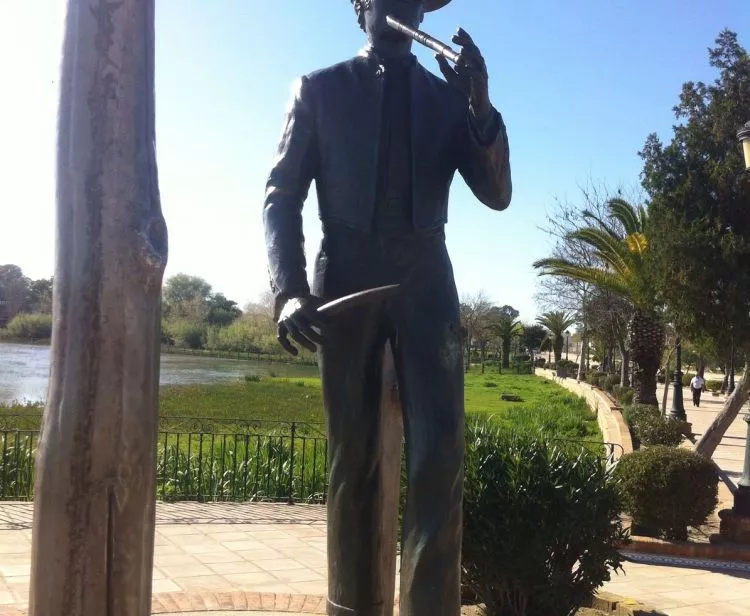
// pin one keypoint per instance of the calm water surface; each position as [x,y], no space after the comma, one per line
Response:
[24,370]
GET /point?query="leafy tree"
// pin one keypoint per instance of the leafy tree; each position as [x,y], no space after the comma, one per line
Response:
[699,216]
[557,322]
[40,295]
[475,310]
[186,297]
[625,274]
[505,327]
[221,311]
[532,336]
[14,291]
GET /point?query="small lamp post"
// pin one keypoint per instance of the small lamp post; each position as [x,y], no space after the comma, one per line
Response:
[678,407]
[567,344]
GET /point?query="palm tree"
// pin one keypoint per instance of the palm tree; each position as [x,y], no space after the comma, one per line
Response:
[507,328]
[622,251]
[556,322]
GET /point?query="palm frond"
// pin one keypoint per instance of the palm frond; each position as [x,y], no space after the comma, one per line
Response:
[611,250]
[589,215]
[629,216]
[618,284]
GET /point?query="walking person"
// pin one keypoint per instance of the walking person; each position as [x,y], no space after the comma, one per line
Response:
[696,386]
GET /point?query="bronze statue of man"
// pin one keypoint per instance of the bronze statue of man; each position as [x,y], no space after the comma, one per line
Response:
[382,137]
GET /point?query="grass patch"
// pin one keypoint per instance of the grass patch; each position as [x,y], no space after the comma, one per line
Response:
[272,399]
[546,407]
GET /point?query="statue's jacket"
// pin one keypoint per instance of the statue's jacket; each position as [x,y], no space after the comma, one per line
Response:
[331,135]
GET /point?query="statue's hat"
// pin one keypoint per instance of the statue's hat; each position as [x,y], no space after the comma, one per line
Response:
[434,5]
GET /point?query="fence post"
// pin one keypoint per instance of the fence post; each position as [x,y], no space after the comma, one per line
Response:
[291,466]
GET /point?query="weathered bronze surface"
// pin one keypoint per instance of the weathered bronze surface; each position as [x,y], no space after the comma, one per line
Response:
[382,138]
[93,535]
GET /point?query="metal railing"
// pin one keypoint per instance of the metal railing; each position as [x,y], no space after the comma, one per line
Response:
[247,466]
[199,459]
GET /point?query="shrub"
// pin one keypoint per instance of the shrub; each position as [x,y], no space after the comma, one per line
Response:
[633,413]
[252,378]
[30,326]
[626,396]
[667,489]
[714,385]
[490,384]
[649,427]
[185,333]
[660,431]
[518,558]
[686,378]
[610,381]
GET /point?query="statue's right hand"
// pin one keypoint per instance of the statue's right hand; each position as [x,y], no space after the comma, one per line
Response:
[298,319]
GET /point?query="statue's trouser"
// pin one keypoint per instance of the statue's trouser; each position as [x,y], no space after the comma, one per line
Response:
[422,326]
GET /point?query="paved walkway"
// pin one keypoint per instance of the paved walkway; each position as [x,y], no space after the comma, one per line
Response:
[272,557]
[730,454]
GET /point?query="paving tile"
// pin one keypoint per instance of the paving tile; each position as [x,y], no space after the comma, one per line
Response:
[292,576]
[319,587]
[242,566]
[203,582]
[14,570]
[164,585]
[175,559]
[168,548]
[264,554]
[174,571]
[6,597]
[244,545]
[224,556]
[251,579]
[278,564]
[180,529]
[233,535]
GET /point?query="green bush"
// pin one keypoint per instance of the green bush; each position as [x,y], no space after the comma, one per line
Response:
[667,489]
[649,427]
[186,334]
[490,384]
[660,431]
[610,381]
[626,396]
[633,413]
[30,326]
[686,378]
[518,558]
[714,385]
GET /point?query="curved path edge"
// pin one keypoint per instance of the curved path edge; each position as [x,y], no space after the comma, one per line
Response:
[608,413]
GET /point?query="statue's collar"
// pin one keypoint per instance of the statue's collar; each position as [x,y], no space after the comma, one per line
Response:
[370,53]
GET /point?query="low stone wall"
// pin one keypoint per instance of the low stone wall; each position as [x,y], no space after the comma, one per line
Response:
[608,413]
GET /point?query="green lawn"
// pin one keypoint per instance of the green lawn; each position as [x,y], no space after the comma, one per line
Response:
[544,406]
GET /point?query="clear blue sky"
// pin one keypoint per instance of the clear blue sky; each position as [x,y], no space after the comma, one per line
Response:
[579,84]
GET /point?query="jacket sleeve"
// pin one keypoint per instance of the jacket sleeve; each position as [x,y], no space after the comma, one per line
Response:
[286,190]
[484,161]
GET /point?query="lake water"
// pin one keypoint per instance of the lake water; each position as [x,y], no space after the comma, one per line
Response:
[24,370]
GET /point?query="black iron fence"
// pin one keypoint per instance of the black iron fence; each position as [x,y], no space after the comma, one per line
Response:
[207,459]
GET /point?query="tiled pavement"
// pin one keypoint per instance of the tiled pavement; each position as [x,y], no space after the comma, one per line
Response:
[272,557]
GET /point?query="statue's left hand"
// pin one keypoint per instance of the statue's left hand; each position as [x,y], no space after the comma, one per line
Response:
[469,75]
